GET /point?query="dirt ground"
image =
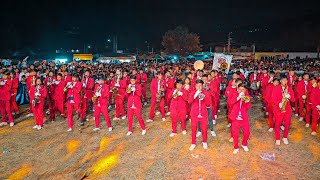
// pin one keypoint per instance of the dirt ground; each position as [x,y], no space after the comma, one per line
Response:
[54,153]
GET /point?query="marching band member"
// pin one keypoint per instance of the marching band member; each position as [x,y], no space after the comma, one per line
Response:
[73,99]
[253,79]
[5,97]
[199,99]
[59,95]
[178,107]
[38,94]
[280,98]
[169,81]
[66,77]
[187,86]
[207,86]
[142,79]
[240,103]
[235,75]
[120,85]
[230,91]
[296,103]
[49,82]
[268,95]
[215,86]
[87,85]
[303,92]
[157,88]
[31,80]
[100,103]
[315,105]
[134,105]
[14,91]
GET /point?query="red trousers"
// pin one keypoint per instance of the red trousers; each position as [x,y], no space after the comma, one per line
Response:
[120,106]
[270,112]
[51,107]
[153,106]
[38,113]
[104,110]
[138,113]
[30,105]
[301,108]
[315,118]
[203,126]
[14,105]
[84,108]
[214,107]
[144,92]
[58,103]
[6,110]
[236,125]
[167,99]
[175,116]
[308,113]
[286,119]
[70,108]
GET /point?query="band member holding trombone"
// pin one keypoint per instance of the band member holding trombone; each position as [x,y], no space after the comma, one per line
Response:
[38,94]
[100,101]
[240,103]
[199,100]
[281,97]
[134,105]
[73,89]
[5,97]
[178,107]
[157,88]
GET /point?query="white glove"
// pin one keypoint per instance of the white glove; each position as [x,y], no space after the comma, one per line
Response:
[304,96]
[57,82]
[1,83]
[288,96]
[280,105]
[180,93]
[68,84]
[84,85]
[98,94]
[133,89]
[117,85]
[241,95]
[37,94]
[318,106]
[196,94]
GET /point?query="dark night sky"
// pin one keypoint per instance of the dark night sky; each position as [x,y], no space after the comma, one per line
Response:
[290,25]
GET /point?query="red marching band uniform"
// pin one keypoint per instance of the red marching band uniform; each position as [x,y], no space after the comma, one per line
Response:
[73,101]
[5,98]
[155,88]
[49,82]
[303,97]
[178,108]
[142,79]
[88,85]
[59,97]
[101,92]
[315,106]
[14,91]
[38,94]
[121,85]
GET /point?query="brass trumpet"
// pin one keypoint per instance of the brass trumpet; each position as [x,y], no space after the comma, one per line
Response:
[175,94]
[65,89]
[284,100]
[246,98]
[36,99]
[94,97]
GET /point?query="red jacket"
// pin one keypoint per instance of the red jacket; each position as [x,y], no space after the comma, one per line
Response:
[15,85]
[154,86]
[67,78]
[5,90]
[195,104]
[142,79]
[43,93]
[268,93]
[264,81]
[236,108]
[302,89]
[135,97]
[253,78]
[89,85]
[123,86]
[104,98]
[75,92]
[169,83]
[315,97]
[51,88]
[291,80]
[179,104]
[58,90]
[276,98]
[29,81]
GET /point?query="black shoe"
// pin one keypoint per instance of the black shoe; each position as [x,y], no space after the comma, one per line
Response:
[81,124]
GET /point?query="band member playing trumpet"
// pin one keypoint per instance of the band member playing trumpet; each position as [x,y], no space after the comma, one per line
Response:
[38,94]
[73,99]
[315,104]
[303,91]
[5,97]
[157,88]
[199,100]
[50,83]
[134,105]
[59,95]
[241,103]
[87,85]
[120,85]
[178,107]
[100,103]
[280,98]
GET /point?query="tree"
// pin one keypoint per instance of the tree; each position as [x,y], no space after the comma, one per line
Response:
[181,41]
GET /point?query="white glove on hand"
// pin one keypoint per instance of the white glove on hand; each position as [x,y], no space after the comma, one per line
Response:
[37,94]
[241,95]
[196,94]
[304,96]
[98,94]
[280,105]
[133,89]
[117,85]
[180,93]
[288,96]
[318,106]
[1,83]
[57,82]
[84,85]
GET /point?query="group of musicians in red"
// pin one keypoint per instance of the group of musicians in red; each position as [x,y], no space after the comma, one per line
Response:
[194,97]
